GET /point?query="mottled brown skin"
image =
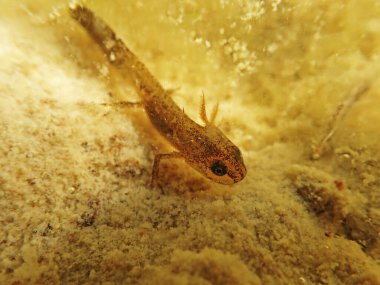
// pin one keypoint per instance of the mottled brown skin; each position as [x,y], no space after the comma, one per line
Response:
[205,148]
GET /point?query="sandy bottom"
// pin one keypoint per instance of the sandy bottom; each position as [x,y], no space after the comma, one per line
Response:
[76,206]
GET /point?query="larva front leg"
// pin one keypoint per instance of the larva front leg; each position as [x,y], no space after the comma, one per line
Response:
[156,164]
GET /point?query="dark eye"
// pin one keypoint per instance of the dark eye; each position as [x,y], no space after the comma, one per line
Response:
[219,168]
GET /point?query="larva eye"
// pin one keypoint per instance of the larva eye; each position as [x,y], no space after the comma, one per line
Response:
[219,168]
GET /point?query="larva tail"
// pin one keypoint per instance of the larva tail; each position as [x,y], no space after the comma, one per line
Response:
[117,52]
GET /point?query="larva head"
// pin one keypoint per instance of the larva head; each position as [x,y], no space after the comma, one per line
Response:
[221,161]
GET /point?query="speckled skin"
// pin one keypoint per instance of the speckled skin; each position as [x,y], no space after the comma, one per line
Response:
[200,146]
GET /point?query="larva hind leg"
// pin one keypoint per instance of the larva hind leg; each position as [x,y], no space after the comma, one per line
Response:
[124,104]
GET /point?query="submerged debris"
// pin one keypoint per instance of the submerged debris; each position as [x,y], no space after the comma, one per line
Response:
[337,207]
[324,194]
[337,117]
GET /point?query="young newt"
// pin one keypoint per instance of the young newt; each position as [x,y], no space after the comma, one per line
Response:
[205,148]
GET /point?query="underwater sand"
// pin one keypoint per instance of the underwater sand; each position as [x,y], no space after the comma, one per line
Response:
[76,206]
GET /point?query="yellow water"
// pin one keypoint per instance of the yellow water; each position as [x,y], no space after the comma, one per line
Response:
[76,206]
